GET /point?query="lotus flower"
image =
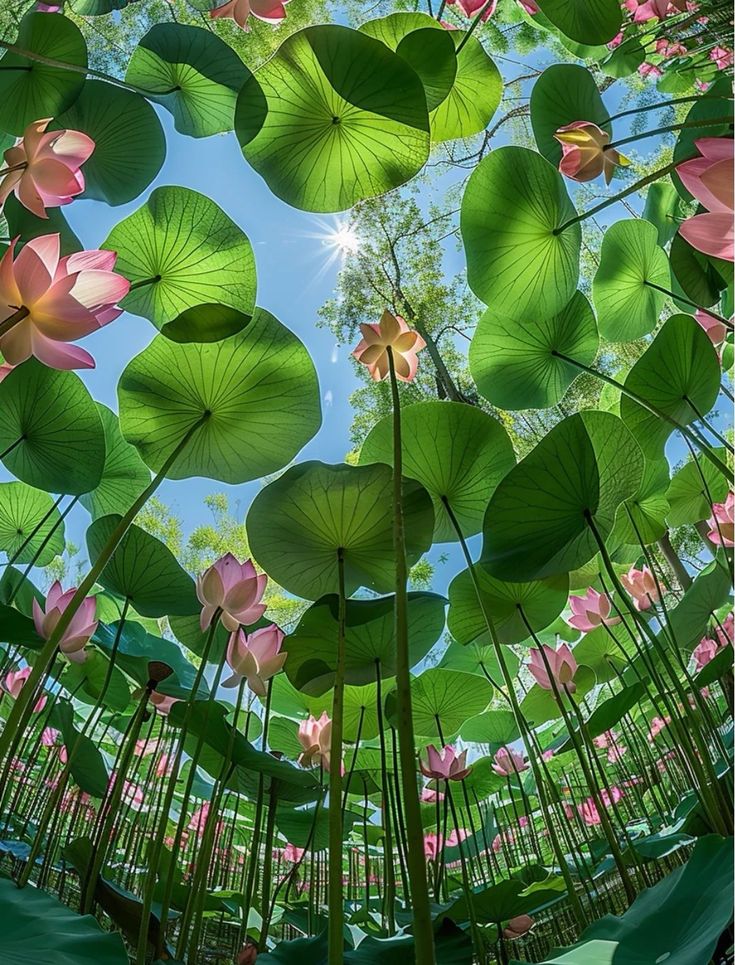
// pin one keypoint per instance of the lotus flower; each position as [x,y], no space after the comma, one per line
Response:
[715,329]
[271,11]
[641,587]
[83,624]
[591,611]
[433,844]
[705,651]
[235,589]
[49,736]
[445,765]
[470,8]
[64,299]
[656,726]
[609,741]
[507,761]
[47,167]
[650,70]
[721,56]
[293,854]
[710,179]
[645,10]
[589,813]
[562,664]
[507,837]
[13,682]
[667,49]
[530,6]
[256,657]
[518,926]
[164,766]
[163,703]
[586,153]
[722,522]
[315,736]
[430,795]
[726,633]
[391,332]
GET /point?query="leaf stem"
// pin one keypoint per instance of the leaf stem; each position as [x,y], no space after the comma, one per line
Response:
[704,122]
[671,103]
[680,298]
[12,320]
[335,932]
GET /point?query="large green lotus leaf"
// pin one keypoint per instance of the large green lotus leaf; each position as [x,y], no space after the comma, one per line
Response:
[514,360]
[452,944]
[456,451]
[564,93]
[540,706]
[536,525]
[591,22]
[125,475]
[678,921]
[369,640]
[197,257]
[30,90]
[18,628]
[478,658]
[494,727]
[360,711]
[86,764]
[309,825]
[694,488]
[691,618]
[625,59]
[38,928]
[97,8]
[26,226]
[143,570]
[50,430]
[333,118]
[431,54]
[507,899]
[631,263]
[259,389]
[129,144]
[648,508]
[695,275]
[297,524]
[89,682]
[449,695]
[392,29]
[30,524]
[680,364]
[662,209]
[541,603]
[193,73]
[519,262]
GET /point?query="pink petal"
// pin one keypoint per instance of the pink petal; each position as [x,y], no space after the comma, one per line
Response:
[711,234]
[59,355]
[35,266]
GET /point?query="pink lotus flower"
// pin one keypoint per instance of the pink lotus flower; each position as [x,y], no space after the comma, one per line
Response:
[164,766]
[722,522]
[256,657]
[507,837]
[234,588]
[49,736]
[199,819]
[667,49]
[715,329]
[705,651]
[470,8]
[586,153]
[292,854]
[433,844]
[611,797]
[145,747]
[530,6]
[562,664]
[163,703]
[65,299]
[722,57]
[645,10]
[610,741]
[591,611]
[507,762]
[589,813]
[726,633]
[270,11]
[47,167]
[390,332]
[616,41]
[650,70]
[430,795]
[656,726]
[49,7]
[518,926]
[710,179]
[641,587]
[547,755]
[456,835]
[445,764]
[83,624]
[315,736]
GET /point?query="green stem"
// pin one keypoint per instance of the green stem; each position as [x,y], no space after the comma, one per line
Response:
[143,282]
[87,71]
[15,167]
[12,320]
[662,172]
[703,122]
[335,932]
[422,923]
[661,104]
[44,543]
[473,25]
[36,529]
[22,707]
[681,298]
[649,407]
[389,895]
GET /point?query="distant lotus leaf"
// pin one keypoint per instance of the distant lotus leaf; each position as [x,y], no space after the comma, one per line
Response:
[563,94]
[442,700]
[31,527]
[591,22]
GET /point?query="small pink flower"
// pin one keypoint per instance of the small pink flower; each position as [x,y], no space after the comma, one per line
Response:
[649,70]
[586,153]
[445,764]
[726,633]
[705,651]
[256,657]
[616,41]
[507,762]
[507,837]
[292,854]
[667,49]
[518,926]
[66,298]
[83,624]
[391,332]
[234,588]
[49,167]
[430,795]
[588,812]
[470,8]
[433,844]
[530,6]
[49,736]
[722,522]
[164,766]
[455,836]
[591,611]
[641,587]
[561,663]
[270,11]
[656,726]
[715,329]
[13,682]
[611,797]
[315,736]
[710,179]
[721,56]
[547,755]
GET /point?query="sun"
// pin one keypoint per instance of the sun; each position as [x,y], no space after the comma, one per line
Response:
[344,238]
